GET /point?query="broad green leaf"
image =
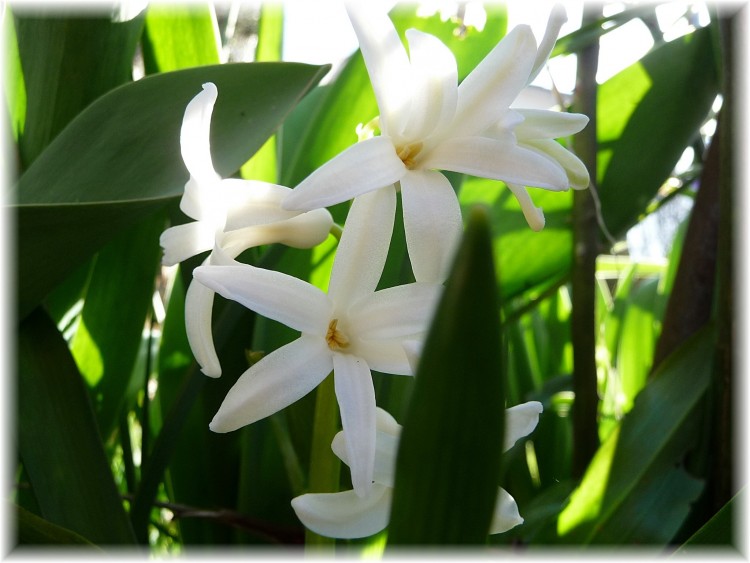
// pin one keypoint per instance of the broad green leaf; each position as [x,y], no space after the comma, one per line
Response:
[33,530]
[647,114]
[120,160]
[451,444]
[69,59]
[633,491]
[14,86]
[179,36]
[58,439]
[112,321]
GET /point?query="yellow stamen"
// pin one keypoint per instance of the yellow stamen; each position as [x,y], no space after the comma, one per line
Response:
[408,153]
[336,339]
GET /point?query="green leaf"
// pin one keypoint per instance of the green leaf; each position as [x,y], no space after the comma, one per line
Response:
[720,530]
[120,160]
[451,444]
[179,36]
[33,530]
[633,491]
[14,86]
[58,440]
[671,90]
[68,61]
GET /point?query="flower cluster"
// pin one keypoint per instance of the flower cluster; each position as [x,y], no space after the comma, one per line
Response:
[428,122]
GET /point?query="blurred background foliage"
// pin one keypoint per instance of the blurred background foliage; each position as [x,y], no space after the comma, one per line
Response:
[631,357]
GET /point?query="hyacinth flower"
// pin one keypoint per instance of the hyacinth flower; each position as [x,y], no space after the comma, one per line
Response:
[350,330]
[232,214]
[428,122]
[345,515]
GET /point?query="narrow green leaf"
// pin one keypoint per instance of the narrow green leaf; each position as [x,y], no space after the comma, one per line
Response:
[720,530]
[120,160]
[69,60]
[634,473]
[33,530]
[179,36]
[58,439]
[449,456]
[13,82]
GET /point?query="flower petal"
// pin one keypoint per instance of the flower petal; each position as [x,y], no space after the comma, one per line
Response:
[578,174]
[278,296]
[432,223]
[490,88]
[363,248]
[520,421]
[363,167]
[345,515]
[386,61]
[544,124]
[435,92]
[534,215]
[251,202]
[557,19]
[356,397]
[199,302]
[506,514]
[385,356]
[498,159]
[386,446]
[183,241]
[398,311]
[195,144]
[275,382]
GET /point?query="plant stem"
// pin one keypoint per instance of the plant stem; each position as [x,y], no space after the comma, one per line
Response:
[585,250]
[324,465]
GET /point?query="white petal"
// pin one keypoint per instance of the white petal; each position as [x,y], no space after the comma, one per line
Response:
[275,382]
[386,447]
[534,215]
[363,248]
[490,88]
[544,124]
[345,515]
[578,174]
[386,356]
[362,168]
[435,77]
[386,61]
[413,349]
[200,200]
[386,423]
[183,241]
[250,202]
[520,421]
[506,514]
[499,160]
[195,142]
[356,397]
[557,19]
[278,296]
[398,311]
[199,301]
[432,224]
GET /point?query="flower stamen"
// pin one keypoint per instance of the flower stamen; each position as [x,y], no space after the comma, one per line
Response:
[336,339]
[408,154]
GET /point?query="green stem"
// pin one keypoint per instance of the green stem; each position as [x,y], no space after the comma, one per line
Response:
[324,465]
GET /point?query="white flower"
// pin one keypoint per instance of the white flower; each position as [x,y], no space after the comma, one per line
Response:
[345,515]
[428,122]
[350,330]
[232,214]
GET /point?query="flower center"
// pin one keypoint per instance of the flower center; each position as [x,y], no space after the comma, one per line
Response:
[408,153]
[336,339]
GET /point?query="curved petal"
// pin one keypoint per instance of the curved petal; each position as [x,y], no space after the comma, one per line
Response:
[275,382]
[199,302]
[251,202]
[345,515]
[183,241]
[506,514]
[278,296]
[385,356]
[356,397]
[435,77]
[557,19]
[413,350]
[578,174]
[362,168]
[432,223]
[395,312]
[520,421]
[195,144]
[386,446]
[363,248]
[201,202]
[492,86]
[534,215]
[499,160]
[386,61]
[545,124]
